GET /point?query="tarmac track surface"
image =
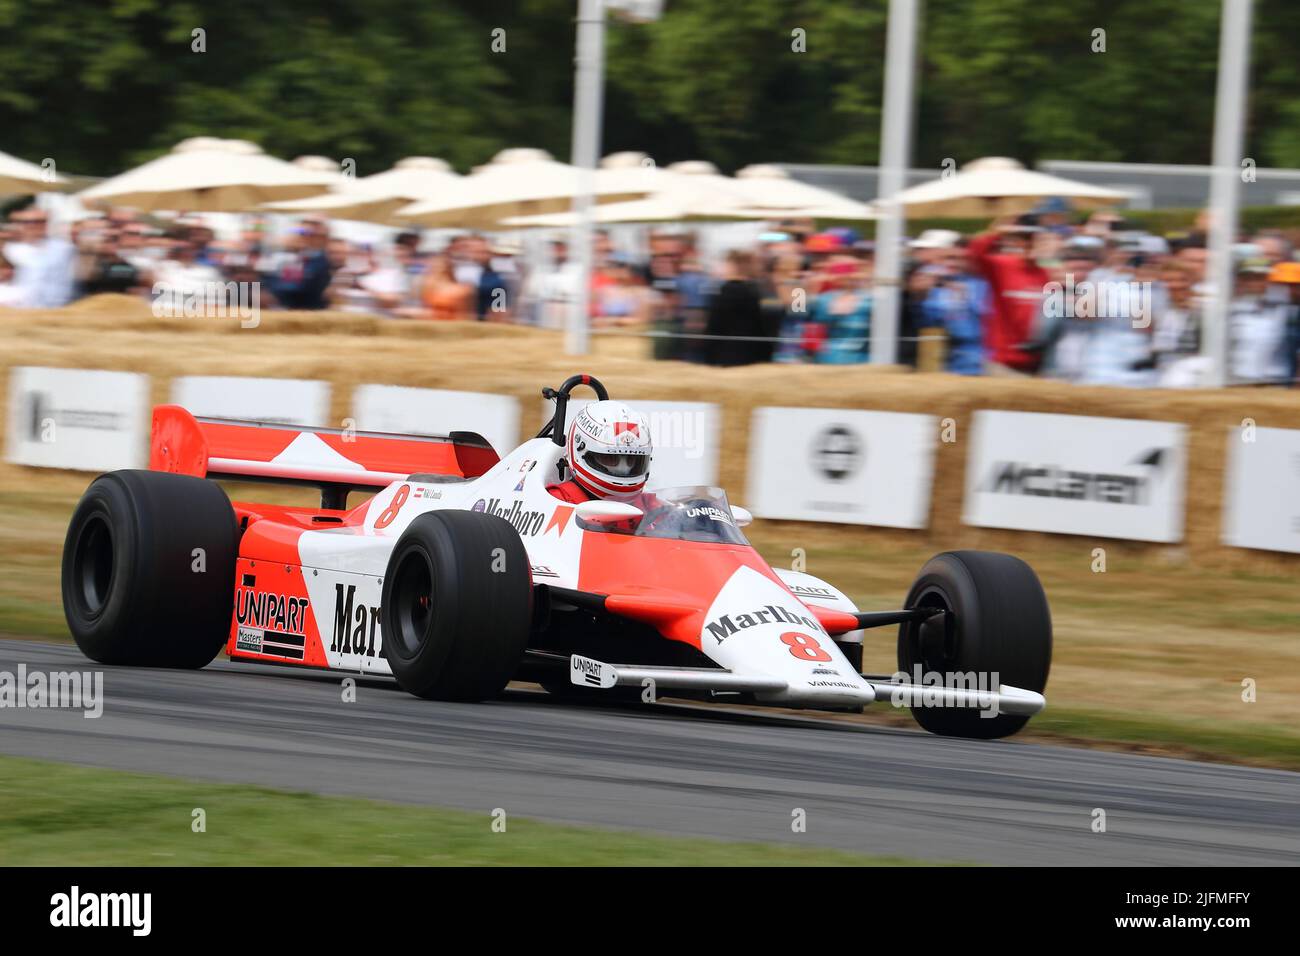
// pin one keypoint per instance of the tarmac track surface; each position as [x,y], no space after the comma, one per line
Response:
[680,769]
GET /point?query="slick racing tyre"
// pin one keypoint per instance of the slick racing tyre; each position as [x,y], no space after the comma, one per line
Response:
[457,605]
[997,623]
[149,569]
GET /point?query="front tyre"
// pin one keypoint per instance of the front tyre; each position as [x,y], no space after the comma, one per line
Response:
[457,605]
[149,569]
[997,622]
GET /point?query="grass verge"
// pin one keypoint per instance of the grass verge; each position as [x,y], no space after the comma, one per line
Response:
[55,814]
[1199,739]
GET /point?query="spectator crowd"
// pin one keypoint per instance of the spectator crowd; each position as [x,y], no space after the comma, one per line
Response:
[1096,301]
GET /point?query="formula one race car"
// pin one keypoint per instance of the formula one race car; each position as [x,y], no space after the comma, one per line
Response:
[464,572]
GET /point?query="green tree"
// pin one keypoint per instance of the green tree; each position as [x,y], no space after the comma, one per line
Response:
[100,88]
[103,84]
[734,83]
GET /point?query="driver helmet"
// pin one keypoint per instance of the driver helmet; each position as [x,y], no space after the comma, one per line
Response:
[609,450]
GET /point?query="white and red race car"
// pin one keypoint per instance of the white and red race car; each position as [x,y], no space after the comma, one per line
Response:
[464,572]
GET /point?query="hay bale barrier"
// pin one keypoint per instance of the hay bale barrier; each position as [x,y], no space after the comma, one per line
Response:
[347,350]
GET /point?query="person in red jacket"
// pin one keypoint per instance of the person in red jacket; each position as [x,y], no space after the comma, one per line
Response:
[1004,256]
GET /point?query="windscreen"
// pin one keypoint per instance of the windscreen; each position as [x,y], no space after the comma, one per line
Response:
[694,513]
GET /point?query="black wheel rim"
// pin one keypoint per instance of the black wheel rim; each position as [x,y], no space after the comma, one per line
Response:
[934,642]
[92,566]
[413,596]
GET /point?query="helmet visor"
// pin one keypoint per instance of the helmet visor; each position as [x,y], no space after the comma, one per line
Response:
[617,465]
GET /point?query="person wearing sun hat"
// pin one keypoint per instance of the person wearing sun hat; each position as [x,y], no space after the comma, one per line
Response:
[842,313]
[1287,275]
[1053,215]
[823,243]
[1258,328]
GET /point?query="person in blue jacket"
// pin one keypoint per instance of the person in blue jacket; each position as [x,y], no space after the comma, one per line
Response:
[303,281]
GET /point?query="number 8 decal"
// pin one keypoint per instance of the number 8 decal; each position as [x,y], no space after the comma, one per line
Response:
[804,647]
[394,506]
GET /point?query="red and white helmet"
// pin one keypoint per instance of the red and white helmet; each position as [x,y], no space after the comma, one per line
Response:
[609,449]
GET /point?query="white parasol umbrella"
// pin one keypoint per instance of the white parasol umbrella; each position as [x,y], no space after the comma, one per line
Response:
[19,177]
[377,198]
[771,190]
[687,191]
[205,174]
[996,186]
[323,165]
[698,184]
[519,182]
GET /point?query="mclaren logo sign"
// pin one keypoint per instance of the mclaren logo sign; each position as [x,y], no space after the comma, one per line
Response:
[1100,477]
[1052,480]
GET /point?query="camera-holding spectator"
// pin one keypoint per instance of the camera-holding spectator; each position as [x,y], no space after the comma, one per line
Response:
[139,244]
[1067,322]
[395,279]
[926,267]
[844,311]
[956,301]
[110,272]
[1115,340]
[1005,258]
[1053,216]
[44,265]
[302,279]
[181,274]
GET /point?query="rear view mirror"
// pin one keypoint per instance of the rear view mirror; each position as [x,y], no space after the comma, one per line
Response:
[601,515]
[741,515]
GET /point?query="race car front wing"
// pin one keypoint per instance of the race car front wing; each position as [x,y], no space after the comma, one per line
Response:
[588,672]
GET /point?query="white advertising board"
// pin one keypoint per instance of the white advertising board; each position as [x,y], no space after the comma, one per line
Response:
[280,401]
[437,411]
[77,418]
[845,466]
[1071,474]
[1261,493]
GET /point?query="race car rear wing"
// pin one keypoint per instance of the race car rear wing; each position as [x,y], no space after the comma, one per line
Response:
[335,460]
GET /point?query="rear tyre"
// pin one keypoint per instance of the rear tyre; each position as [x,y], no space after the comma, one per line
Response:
[149,569]
[457,605]
[998,622]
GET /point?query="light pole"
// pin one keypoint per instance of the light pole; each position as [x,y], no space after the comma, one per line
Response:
[895,136]
[1229,114]
[588,95]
